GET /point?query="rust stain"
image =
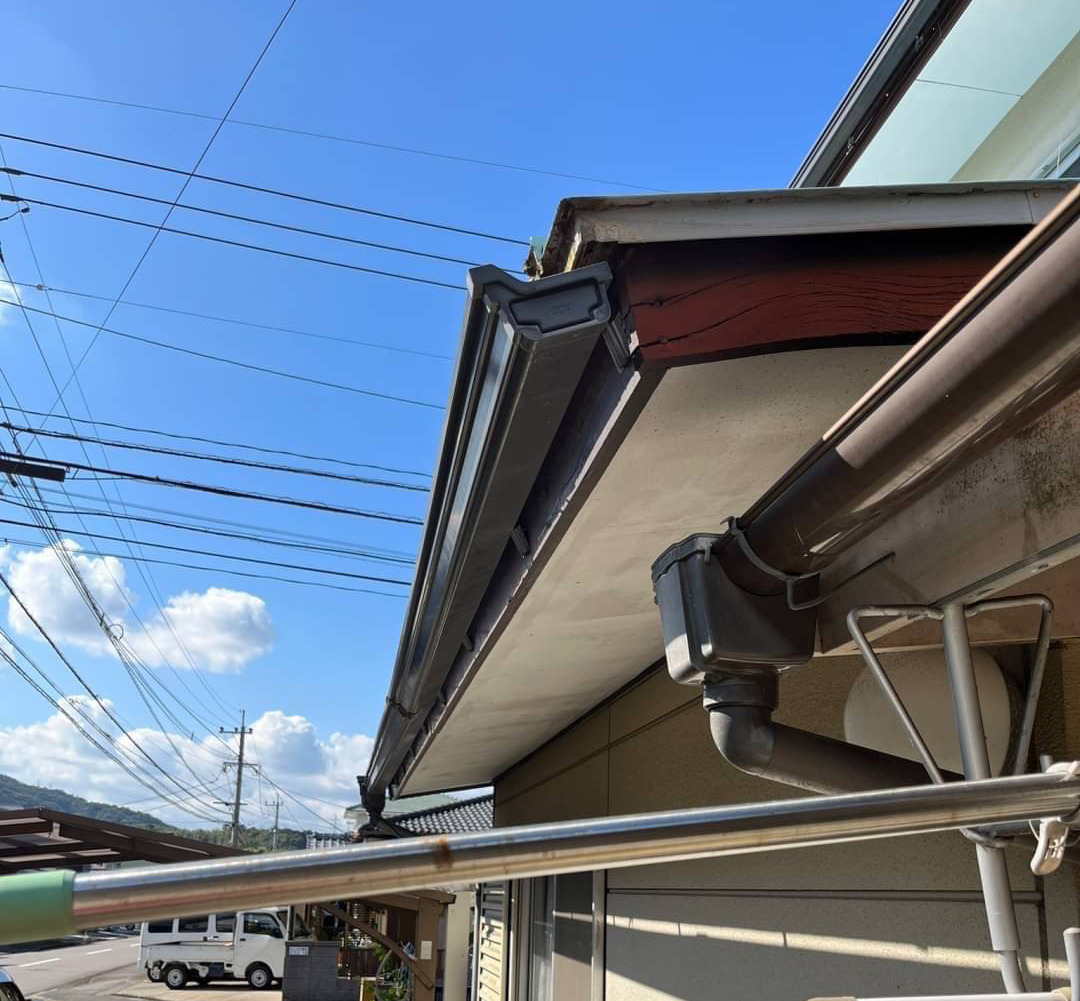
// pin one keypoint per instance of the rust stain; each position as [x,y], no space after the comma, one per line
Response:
[441,854]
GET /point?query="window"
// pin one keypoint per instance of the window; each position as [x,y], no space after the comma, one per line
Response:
[261,924]
[193,926]
[991,103]
[556,931]
[224,924]
[160,927]
[541,937]
[9,992]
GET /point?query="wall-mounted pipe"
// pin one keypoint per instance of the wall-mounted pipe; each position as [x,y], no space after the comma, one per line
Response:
[747,738]
[740,719]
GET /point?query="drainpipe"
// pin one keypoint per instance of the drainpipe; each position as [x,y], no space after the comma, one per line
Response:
[740,719]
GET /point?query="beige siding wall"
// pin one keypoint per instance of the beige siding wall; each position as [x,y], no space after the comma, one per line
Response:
[897,916]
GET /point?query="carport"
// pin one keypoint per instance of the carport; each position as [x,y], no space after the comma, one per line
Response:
[38,838]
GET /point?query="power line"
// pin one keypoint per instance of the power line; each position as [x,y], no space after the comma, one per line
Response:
[392,248]
[188,175]
[74,377]
[293,196]
[221,533]
[234,321]
[97,699]
[147,574]
[227,361]
[242,494]
[229,444]
[47,524]
[351,140]
[115,758]
[224,570]
[220,556]
[372,550]
[242,244]
[224,459]
[42,516]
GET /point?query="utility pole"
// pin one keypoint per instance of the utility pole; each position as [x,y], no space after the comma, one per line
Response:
[242,732]
[277,810]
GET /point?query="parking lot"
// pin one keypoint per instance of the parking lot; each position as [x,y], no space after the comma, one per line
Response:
[103,967]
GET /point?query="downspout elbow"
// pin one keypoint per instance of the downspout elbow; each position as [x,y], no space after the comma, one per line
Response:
[748,738]
[744,736]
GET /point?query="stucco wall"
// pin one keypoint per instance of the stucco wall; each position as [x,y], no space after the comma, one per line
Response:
[897,916]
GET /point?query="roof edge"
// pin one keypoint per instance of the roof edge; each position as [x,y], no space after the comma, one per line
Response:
[902,51]
[584,229]
[523,348]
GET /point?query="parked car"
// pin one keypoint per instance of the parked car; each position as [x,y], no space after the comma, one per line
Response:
[247,945]
[9,990]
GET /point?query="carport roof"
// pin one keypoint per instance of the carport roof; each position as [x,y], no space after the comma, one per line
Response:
[38,838]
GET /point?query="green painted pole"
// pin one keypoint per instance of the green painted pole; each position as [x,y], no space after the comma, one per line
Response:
[37,906]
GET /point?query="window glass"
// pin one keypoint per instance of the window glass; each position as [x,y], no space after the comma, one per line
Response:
[261,924]
[193,925]
[8,992]
[994,101]
[160,927]
[224,924]
[541,937]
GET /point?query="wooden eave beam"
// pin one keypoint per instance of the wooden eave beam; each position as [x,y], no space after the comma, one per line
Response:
[695,302]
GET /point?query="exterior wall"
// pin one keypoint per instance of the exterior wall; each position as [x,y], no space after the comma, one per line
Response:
[459,916]
[898,916]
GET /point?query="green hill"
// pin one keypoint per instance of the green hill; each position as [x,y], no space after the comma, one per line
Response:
[16,795]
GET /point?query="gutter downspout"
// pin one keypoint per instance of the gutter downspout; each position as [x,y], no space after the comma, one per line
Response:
[740,720]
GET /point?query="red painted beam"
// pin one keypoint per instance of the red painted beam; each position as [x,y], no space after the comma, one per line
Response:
[698,302]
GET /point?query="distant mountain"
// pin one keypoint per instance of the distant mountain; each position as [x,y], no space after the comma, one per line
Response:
[16,795]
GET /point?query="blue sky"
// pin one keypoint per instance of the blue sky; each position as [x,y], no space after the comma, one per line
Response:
[691,96]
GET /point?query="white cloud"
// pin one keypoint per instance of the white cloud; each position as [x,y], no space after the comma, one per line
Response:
[39,579]
[11,294]
[223,630]
[294,755]
[321,773]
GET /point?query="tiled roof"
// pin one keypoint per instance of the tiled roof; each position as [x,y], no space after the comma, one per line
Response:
[458,817]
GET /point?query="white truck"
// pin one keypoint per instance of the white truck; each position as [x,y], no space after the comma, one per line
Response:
[248,945]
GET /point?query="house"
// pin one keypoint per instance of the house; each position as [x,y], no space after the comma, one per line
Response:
[416,943]
[356,816]
[732,372]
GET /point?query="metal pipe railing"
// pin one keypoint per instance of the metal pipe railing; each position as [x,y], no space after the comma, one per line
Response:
[96,899]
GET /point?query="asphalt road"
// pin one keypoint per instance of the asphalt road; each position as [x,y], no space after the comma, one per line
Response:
[70,962]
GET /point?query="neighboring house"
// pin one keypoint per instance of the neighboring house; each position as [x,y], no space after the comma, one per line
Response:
[678,362]
[459,816]
[450,916]
[356,816]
